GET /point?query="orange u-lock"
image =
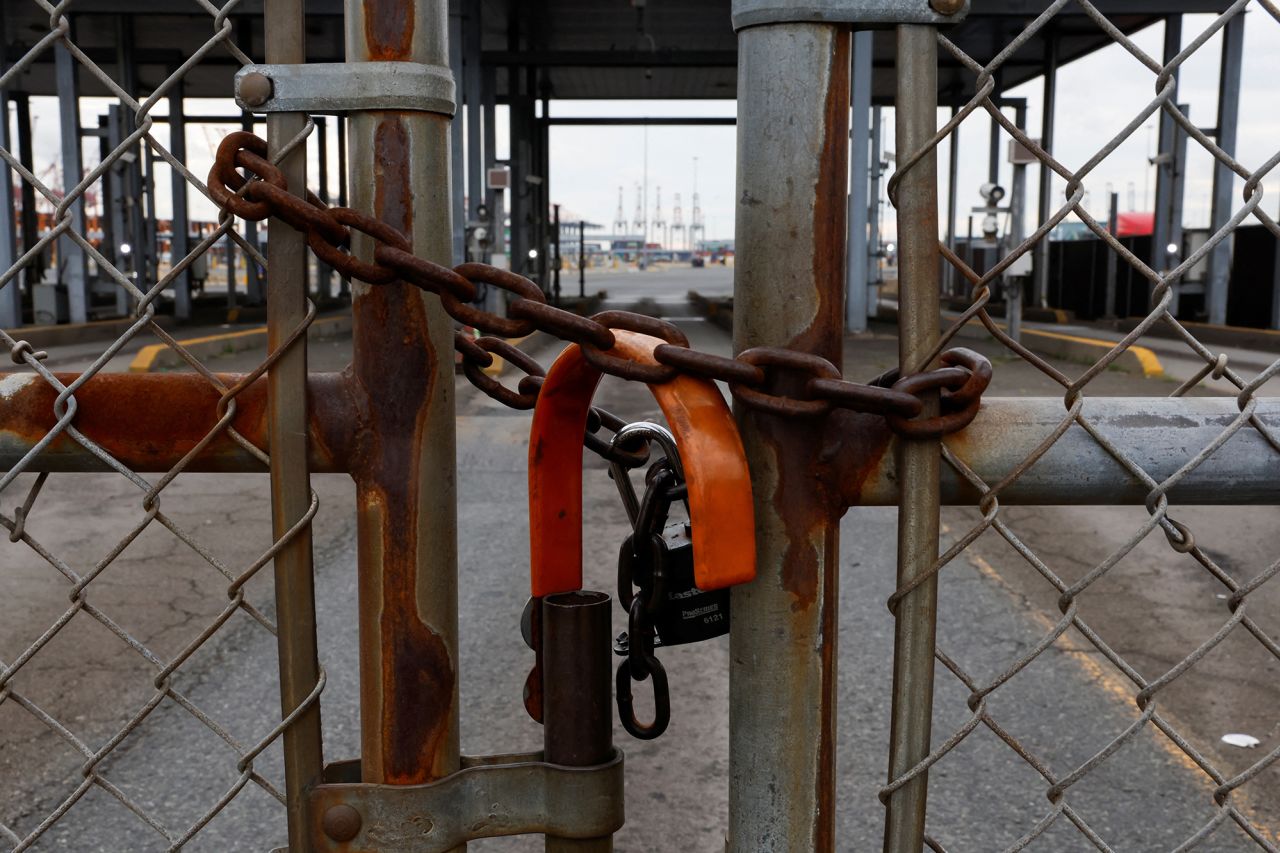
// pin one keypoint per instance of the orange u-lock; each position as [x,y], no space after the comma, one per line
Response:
[715,467]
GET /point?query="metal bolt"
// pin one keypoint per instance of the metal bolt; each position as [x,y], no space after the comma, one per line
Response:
[255,88]
[341,822]
[946,7]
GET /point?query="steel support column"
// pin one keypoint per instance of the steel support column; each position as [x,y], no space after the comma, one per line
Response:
[1049,98]
[72,268]
[324,273]
[179,228]
[403,370]
[472,84]
[1218,275]
[918,461]
[457,166]
[11,290]
[252,280]
[287,428]
[1164,159]
[793,113]
[856,294]
[1014,286]
[30,222]
[953,173]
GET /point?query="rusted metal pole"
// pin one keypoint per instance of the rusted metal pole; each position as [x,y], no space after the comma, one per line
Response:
[577,719]
[287,430]
[793,132]
[918,460]
[402,367]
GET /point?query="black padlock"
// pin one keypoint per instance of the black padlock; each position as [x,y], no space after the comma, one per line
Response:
[686,614]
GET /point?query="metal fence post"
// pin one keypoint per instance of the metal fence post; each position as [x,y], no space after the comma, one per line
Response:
[287,425]
[402,367]
[918,460]
[793,132]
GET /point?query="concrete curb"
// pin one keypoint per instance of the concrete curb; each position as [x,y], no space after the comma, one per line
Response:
[161,356]
[48,337]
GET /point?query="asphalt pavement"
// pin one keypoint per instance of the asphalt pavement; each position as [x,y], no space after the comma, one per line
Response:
[1154,608]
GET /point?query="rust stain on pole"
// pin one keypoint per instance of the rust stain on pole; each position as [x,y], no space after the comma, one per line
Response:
[418,678]
[388,28]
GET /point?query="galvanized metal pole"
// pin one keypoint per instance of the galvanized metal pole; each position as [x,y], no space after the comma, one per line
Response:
[856,296]
[252,280]
[875,275]
[402,366]
[918,460]
[287,429]
[577,728]
[324,273]
[1219,272]
[793,131]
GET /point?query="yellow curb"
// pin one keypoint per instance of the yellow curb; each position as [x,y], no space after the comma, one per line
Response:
[1151,365]
[500,363]
[144,360]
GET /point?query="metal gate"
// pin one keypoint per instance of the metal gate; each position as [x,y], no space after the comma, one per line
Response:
[389,422]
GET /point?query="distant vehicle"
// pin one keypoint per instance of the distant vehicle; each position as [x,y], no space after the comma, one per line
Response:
[697,261]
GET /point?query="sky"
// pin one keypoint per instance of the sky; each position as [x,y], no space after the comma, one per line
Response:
[1096,97]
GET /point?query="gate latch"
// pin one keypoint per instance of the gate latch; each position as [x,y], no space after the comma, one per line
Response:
[341,87]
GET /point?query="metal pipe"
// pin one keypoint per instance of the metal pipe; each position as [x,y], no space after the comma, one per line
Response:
[1154,431]
[1219,269]
[30,222]
[793,132]
[856,294]
[918,460]
[1014,289]
[287,429]
[402,367]
[324,273]
[158,437]
[577,692]
[458,172]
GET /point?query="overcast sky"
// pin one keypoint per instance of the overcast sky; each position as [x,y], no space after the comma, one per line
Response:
[1096,97]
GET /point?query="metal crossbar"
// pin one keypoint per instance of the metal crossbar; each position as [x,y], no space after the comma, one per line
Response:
[915,599]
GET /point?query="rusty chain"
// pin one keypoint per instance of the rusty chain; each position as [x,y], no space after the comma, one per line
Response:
[769,379]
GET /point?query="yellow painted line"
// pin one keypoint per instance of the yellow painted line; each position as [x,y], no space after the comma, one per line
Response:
[1114,684]
[1151,365]
[146,357]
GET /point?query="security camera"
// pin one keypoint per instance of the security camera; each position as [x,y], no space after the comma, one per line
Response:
[993,193]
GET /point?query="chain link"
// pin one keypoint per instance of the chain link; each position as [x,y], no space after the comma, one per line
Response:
[769,379]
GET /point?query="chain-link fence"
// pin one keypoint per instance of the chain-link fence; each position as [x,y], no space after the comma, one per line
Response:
[124,589]
[1226,787]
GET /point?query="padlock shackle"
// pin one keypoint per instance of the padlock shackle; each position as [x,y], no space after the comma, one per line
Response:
[715,468]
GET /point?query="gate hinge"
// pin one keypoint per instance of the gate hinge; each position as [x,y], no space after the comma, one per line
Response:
[866,14]
[490,796]
[341,87]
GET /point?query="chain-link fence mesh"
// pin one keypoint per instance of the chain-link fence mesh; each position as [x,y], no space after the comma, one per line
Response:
[1224,790]
[143,756]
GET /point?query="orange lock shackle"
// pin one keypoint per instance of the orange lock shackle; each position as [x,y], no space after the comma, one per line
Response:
[715,467]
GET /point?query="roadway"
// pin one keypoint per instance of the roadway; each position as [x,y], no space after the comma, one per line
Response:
[1154,608]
